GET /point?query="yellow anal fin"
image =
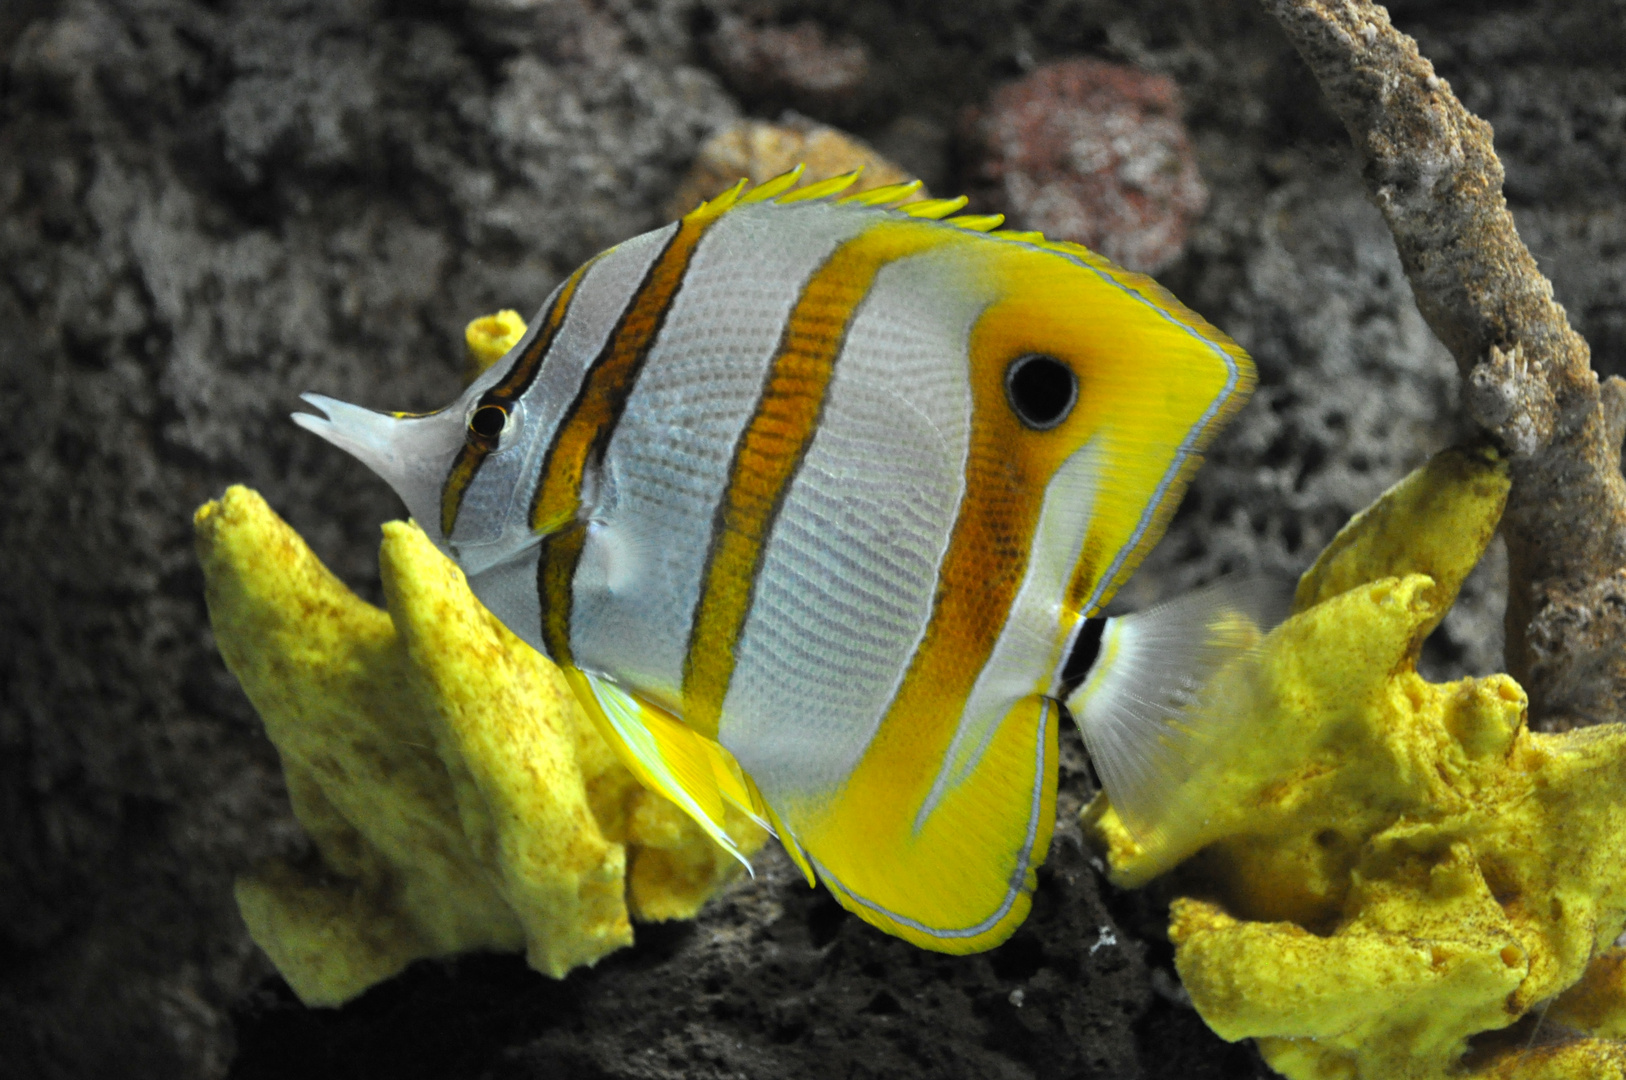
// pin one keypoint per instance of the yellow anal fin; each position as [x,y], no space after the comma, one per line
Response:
[669,757]
[787,838]
[961,882]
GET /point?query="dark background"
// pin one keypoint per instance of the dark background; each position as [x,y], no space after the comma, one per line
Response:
[206,208]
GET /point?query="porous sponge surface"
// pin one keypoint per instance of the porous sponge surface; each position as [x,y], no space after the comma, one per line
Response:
[456,796]
[1377,868]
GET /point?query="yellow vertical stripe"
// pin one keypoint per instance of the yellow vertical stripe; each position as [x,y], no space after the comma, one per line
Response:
[510,389]
[771,450]
[587,425]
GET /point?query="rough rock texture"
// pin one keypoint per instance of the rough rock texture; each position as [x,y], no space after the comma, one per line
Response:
[795,64]
[206,208]
[1095,153]
[1432,170]
[778,981]
[206,212]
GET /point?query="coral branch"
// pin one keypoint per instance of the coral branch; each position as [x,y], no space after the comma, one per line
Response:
[1433,172]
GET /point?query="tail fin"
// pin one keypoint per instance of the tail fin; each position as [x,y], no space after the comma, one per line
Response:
[1154,703]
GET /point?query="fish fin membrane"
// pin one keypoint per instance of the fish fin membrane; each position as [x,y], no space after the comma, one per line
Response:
[671,758]
[822,189]
[769,190]
[1164,690]
[883,196]
[934,209]
[960,879]
[787,838]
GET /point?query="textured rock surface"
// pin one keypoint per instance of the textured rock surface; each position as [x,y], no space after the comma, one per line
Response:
[205,209]
[1095,153]
[796,64]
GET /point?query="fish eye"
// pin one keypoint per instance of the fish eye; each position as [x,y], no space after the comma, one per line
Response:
[487,423]
[1041,389]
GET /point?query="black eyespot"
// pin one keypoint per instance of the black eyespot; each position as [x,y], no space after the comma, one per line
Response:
[1041,389]
[487,423]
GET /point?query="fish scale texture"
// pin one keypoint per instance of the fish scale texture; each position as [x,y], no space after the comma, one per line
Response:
[206,208]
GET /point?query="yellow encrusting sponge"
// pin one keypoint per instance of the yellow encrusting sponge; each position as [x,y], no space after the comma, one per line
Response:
[488,339]
[1378,868]
[456,796]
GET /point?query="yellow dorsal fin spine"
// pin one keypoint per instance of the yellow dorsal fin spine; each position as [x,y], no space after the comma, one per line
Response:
[772,189]
[934,209]
[822,189]
[977,222]
[722,202]
[882,196]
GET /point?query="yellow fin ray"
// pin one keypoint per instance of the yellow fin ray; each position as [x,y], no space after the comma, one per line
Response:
[976,222]
[787,839]
[934,209]
[882,196]
[722,202]
[769,190]
[665,755]
[835,185]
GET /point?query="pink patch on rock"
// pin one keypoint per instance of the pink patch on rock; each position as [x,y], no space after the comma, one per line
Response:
[1095,153]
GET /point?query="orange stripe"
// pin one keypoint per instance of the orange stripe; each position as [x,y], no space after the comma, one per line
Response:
[771,450]
[586,427]
[1144,380]
[510,389]
[555,573]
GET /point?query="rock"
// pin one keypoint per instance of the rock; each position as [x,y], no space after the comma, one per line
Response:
[797,64]
[204,214]
[1096,153]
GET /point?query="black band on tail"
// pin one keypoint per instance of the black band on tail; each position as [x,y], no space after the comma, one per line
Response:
[1086,647]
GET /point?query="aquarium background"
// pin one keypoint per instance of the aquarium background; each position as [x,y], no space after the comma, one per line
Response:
[206,208]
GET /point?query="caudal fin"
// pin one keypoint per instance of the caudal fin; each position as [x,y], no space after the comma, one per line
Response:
[1154,704]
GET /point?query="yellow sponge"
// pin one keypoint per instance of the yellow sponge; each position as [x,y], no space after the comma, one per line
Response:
[456,796]
[1378,867]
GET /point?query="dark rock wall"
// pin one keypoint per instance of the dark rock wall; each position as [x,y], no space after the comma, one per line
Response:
[206,208]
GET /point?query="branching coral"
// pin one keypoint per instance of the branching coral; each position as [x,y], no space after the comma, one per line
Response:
[1385,866]
[1433,172]
[456,796]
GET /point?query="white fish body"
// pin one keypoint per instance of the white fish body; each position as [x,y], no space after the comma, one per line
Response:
[811,500]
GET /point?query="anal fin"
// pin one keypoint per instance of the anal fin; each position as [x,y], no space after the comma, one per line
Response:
[960,880]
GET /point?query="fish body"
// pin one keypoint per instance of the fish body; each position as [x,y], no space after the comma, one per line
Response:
[811,498]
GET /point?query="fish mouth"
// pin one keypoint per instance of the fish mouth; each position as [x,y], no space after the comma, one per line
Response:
[411,453]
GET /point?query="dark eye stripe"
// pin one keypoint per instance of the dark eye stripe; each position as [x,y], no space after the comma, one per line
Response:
[588,424]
